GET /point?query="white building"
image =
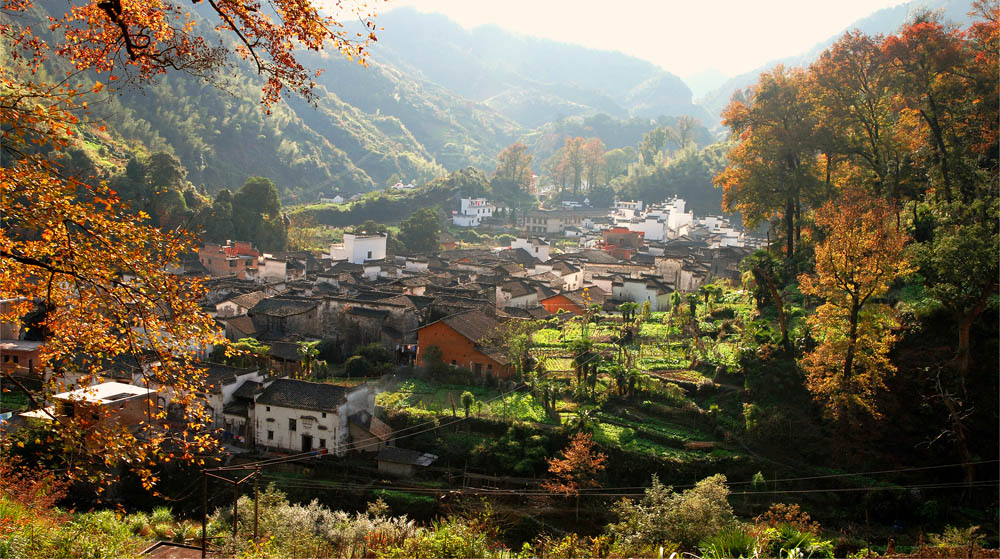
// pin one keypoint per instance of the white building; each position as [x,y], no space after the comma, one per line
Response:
[535,247]
[641,290]
[472,212]
[357,249]
[299,416]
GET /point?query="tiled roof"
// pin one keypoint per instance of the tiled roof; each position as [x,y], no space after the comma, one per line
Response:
[302,395]
[284,306]
[403,456]
[248,300]
[242,325]
[372,424]
[368,313]
[473,325]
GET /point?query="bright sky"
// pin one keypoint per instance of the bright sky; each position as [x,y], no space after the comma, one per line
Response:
[682,36]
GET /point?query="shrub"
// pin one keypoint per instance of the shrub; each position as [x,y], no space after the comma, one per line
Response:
[375,353]
[730,542]
[358,366]
[665,516]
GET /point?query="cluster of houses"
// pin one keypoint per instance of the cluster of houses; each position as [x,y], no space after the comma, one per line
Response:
[447,306]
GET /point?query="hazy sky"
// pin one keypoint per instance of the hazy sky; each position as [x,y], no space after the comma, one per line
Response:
[682,36]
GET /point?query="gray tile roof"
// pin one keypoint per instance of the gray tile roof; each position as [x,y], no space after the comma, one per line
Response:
[302,395]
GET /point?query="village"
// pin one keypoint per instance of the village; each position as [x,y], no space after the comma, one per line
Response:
[444,307]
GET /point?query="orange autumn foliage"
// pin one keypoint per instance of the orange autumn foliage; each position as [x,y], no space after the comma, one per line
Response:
[862,254]
[70,247]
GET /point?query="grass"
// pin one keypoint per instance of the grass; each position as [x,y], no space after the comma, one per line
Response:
[420,396]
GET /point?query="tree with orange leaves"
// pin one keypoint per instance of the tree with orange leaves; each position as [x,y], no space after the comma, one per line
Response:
[862,254]
[73,250]
[577,468]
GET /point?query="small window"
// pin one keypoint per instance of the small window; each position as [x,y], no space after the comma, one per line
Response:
[15,359]
[322,443]
[268,408]
[453,363]
[489,366]
[324,414]
[270,435]
[291,424]
[369,254]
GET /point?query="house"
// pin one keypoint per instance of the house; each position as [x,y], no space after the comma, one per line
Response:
[462,341]
[238,259]
[516,293]
[553,222]
[20,357]
[300,416]
[286,314]
[367,432]
[641,290]
[108,403]
[621,243]
[400,462]
[472,211]
[534,246]
[239,304]
[359,248]
[575,302]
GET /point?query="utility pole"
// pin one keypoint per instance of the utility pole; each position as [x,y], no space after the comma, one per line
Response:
[255,469]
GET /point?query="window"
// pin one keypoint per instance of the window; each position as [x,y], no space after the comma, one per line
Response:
[15,359]
[324,415]
[489,367]
[322,443]
[369,254]
[270,435]
[453,363]
[268,408]
[291,424]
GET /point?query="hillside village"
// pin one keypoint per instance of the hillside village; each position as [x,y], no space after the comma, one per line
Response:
[453,300]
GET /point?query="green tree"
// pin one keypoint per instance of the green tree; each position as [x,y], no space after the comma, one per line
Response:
[467,400]
[421,232]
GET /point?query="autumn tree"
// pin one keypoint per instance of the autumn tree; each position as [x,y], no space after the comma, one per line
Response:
[72,248]
[861,116]
[514,165]
[772,170]
[574,161]
[862,254]
[593,156]
[577,468]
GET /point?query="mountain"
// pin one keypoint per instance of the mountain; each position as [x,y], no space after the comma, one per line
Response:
[884,21]
[532,81]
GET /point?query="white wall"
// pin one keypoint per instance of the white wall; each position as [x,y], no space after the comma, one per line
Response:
[275,419]
[358,248]
[534,248]
[271,270]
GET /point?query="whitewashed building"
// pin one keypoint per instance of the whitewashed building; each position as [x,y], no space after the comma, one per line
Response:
[472,211]
[299,416]
[533,245]
[641,290]
[357,249]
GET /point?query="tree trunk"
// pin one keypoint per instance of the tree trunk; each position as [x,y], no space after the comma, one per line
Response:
[790,228]
[852,341]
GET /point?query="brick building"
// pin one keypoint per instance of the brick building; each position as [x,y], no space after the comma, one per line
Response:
[460,337]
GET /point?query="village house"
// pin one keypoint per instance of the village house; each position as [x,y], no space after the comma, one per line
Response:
[300,416]
[536,247]
[576,302]
[359,248]
[275,317]
[400,462]
[553,222]
[463,341]
[641,290]
[238,259]
[472,211]
[239,304]
[107,404]
[516,293]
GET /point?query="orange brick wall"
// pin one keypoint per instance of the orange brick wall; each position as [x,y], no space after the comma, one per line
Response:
[454,347]
[554,304]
